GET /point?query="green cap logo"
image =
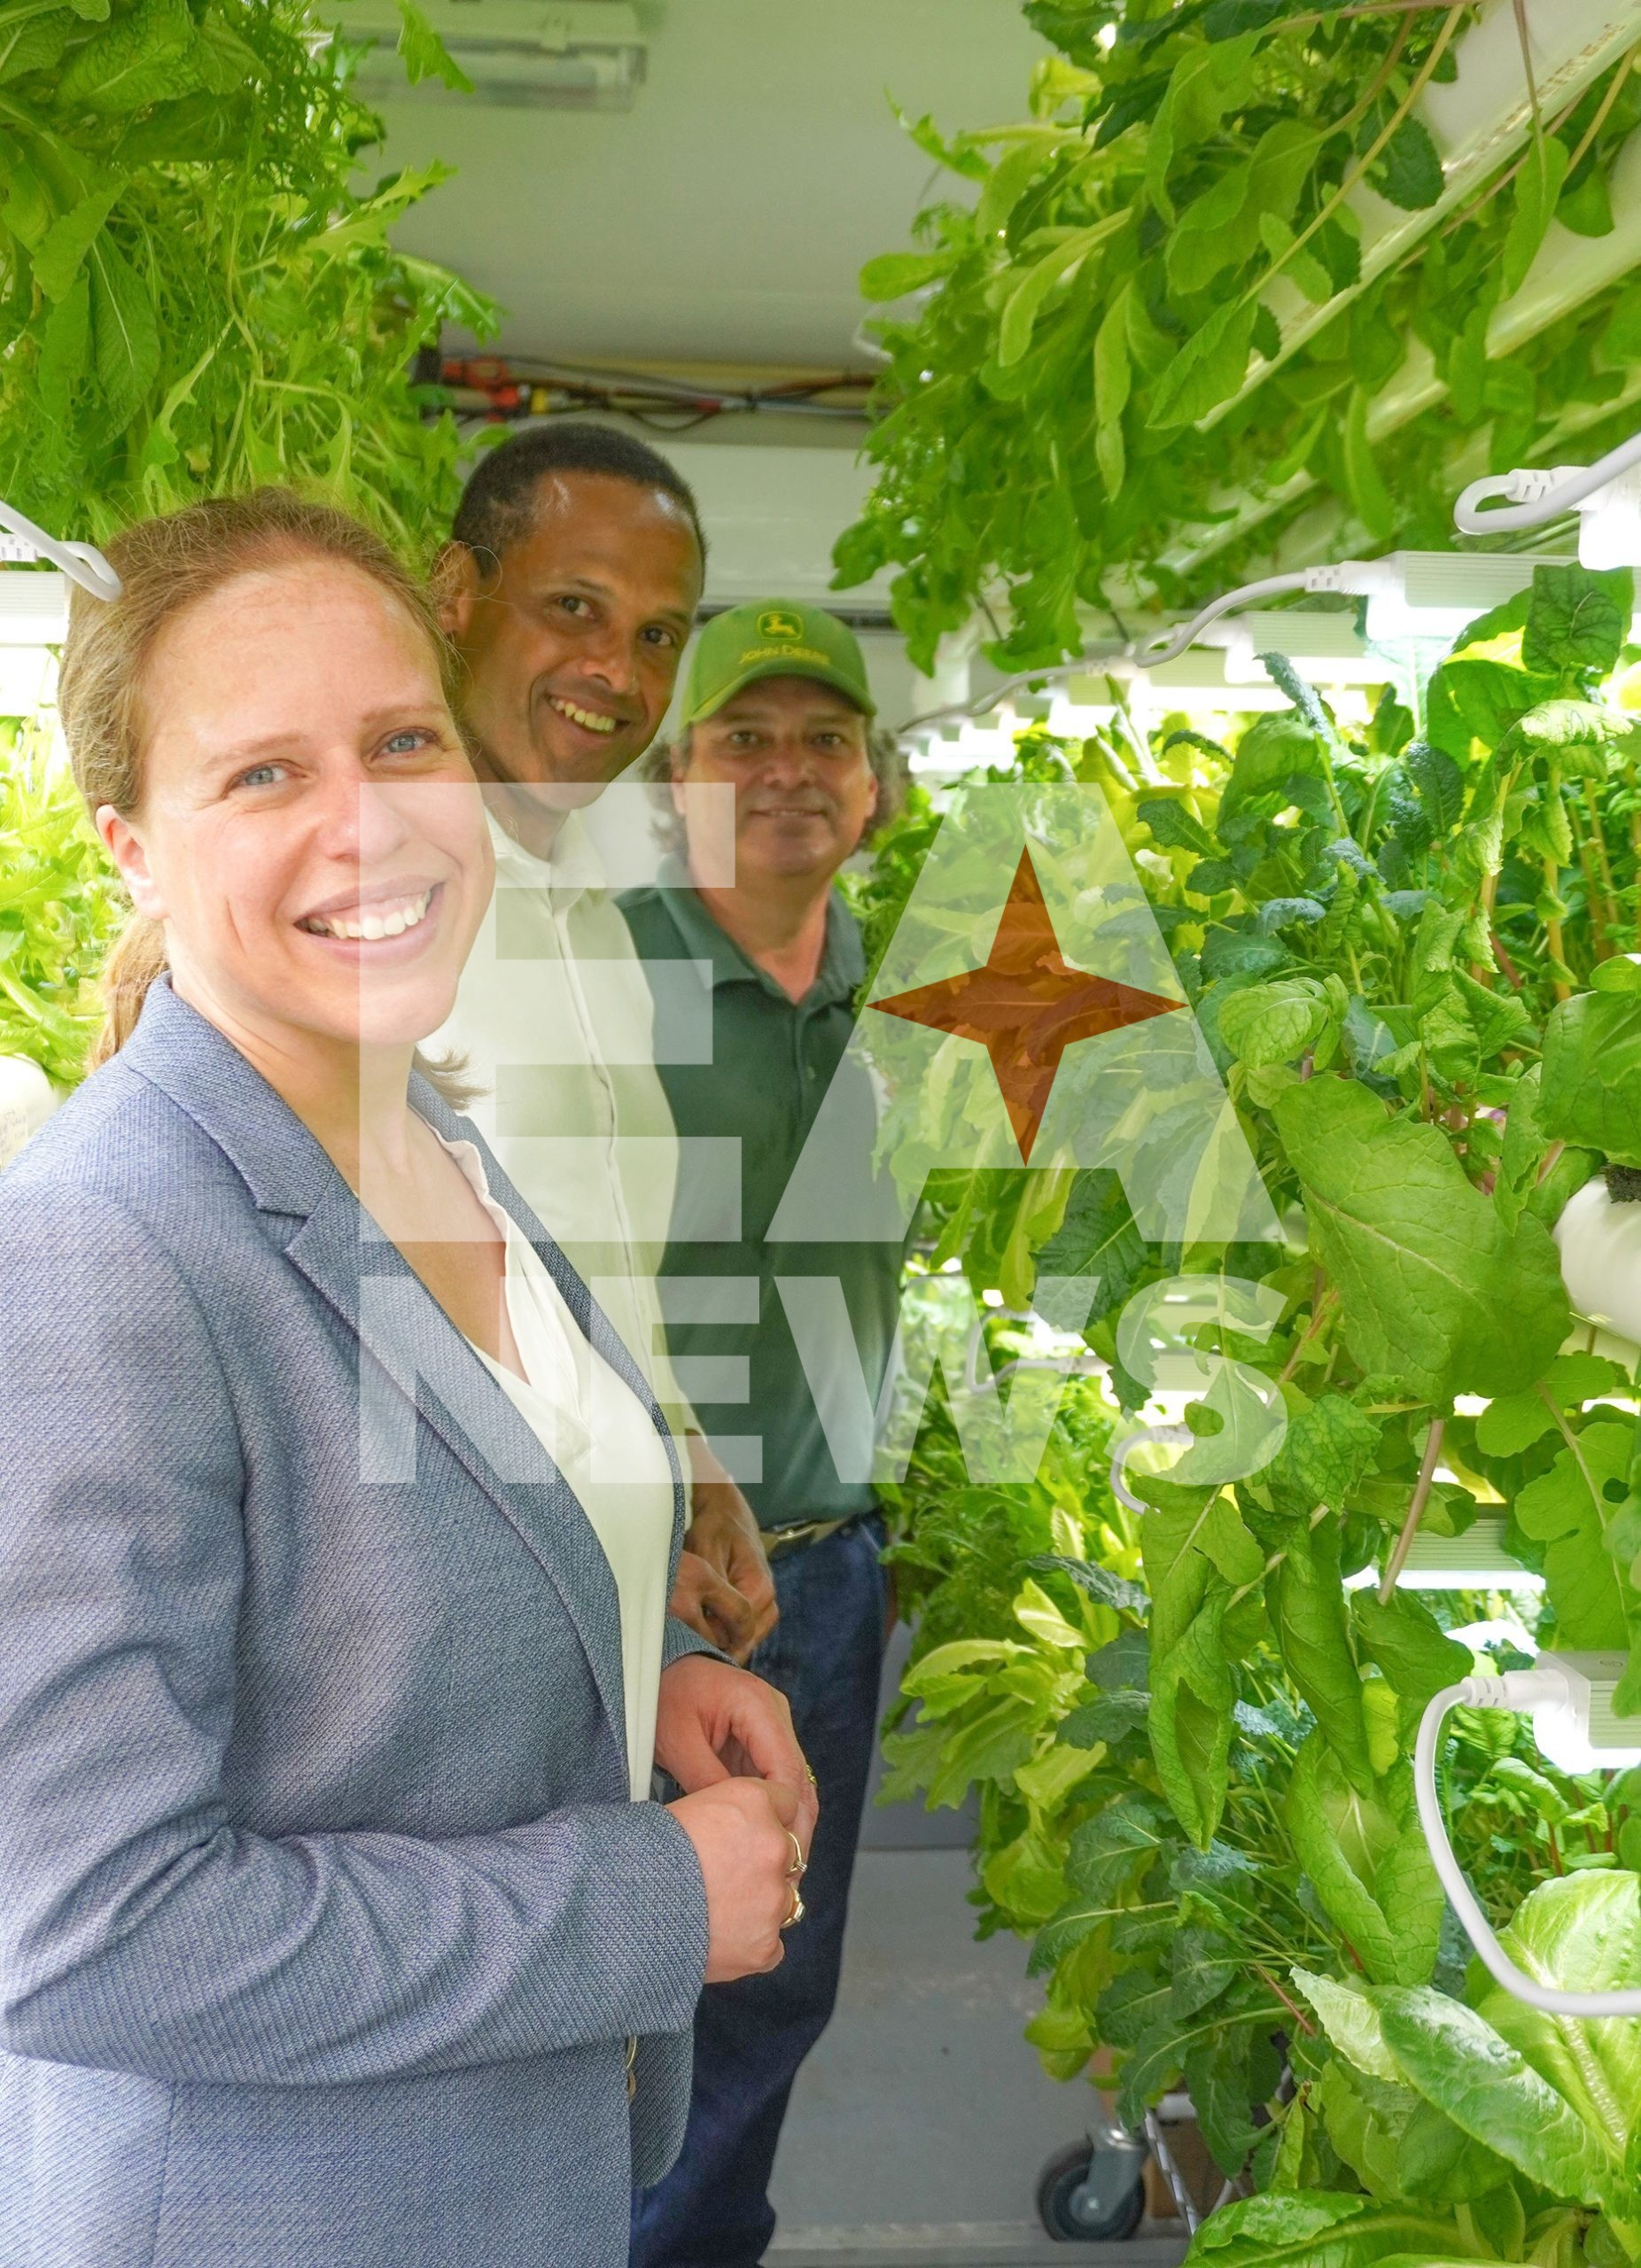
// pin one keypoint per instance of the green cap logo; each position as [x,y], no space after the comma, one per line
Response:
[775,622]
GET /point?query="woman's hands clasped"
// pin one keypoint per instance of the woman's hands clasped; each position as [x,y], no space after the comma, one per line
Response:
[727,1738]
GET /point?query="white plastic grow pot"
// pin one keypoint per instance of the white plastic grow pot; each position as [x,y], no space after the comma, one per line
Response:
[27,1100]
[1599,1238]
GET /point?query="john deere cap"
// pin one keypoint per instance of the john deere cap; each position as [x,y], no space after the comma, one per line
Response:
[773,638]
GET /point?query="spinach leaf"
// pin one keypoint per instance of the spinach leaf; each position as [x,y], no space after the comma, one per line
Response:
[1435,1291]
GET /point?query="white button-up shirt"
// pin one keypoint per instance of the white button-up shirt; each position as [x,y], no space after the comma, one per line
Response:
[555,1022]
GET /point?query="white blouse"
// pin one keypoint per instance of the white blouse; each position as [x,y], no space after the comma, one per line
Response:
[600,1436]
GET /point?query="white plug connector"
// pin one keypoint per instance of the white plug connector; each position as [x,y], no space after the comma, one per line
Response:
[82,562]
[1341,575]
[1502,503]
[1569,1699]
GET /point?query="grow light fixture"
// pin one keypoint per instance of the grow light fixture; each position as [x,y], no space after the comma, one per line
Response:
[519,54]
[34,609]
[1607,496]
[1569,1697]
[1409,595]
[1324,647]
[971,746]
[1495,1630]
[1474,1561]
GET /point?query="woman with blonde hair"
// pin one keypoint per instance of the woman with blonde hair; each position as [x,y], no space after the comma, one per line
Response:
[338,1927]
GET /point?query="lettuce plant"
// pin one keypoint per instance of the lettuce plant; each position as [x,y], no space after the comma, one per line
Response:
[59,909]
[1478,2129]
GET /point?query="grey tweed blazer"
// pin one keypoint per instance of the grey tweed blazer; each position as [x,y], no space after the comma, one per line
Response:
[324,1916]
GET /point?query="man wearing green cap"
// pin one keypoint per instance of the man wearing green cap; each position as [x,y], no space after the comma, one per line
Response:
[777,712]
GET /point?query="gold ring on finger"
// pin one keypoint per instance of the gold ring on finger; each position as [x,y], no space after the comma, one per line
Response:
[800,1865]
[798,1912]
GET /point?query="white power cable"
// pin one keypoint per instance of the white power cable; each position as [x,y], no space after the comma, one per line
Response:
[1168,1436]
[82,562]
[995,697]
[1357,577]
[1169,646]
[1522,1690]
[1165,646]
[1533,496]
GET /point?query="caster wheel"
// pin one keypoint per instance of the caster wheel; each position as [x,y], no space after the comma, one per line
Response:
[1087,2194]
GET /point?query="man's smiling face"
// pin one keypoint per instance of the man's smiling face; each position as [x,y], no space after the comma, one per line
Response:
[572,643]
[796,755]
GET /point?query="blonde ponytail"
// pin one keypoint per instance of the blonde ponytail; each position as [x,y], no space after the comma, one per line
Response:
[138,956]
[165,567]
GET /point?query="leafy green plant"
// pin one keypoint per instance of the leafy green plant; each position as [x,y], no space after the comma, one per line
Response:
[59,908]
[1151,308]
[1478,2129]
[197,291]
[1406,958]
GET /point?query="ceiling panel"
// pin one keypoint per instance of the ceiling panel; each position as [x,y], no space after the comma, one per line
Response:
[725,216]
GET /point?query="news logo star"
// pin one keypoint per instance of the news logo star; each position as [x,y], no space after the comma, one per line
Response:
[1026,1005]
[1029,1016]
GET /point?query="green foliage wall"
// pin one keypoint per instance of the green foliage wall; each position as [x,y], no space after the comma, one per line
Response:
[59,909]
[197,289]
[198,293]
[1061,404]
[1190,1741]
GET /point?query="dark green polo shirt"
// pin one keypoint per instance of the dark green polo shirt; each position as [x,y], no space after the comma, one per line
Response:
[743,1118]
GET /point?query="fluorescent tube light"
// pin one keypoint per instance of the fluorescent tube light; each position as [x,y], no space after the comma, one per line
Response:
[33,607]
[1324,649]
[1497,1630]
[1474,1561]
[534,54]
[967,750]
[1419,594]
[27,680]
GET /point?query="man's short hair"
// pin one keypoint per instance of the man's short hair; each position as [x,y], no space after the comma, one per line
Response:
[498,504]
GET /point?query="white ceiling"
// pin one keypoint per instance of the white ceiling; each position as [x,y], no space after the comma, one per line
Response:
[724,218]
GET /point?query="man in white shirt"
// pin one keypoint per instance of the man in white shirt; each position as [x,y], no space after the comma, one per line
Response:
[569,585]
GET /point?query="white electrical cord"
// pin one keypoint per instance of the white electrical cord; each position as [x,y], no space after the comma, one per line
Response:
[82,562]
[1169,646]
[1533,496]
[1359,578]
[995,697]
[1173,1437]
[1522,1690]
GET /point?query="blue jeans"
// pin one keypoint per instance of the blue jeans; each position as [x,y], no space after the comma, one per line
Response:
[826,1655]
